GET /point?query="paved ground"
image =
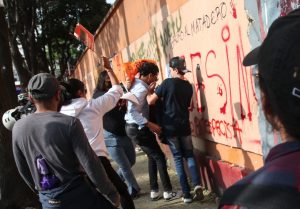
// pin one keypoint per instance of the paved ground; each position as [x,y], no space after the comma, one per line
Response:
[144,202]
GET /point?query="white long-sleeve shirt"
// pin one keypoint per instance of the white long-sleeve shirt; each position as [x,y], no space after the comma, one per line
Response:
[91,112]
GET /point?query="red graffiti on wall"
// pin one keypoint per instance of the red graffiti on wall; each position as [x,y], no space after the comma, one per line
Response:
[218,76]
[287,5]
[232,4]
[215,127]
[224,89]
[199,84]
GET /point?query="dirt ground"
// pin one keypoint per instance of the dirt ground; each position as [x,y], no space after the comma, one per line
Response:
[144,202]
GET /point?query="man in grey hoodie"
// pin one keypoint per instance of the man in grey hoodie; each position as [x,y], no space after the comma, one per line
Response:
[50,150]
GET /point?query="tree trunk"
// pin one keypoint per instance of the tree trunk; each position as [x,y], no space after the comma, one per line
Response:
[14,194]
[19,62]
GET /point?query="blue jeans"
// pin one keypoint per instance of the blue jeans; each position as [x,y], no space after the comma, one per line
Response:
[182,148]
[76,194]
[121,150]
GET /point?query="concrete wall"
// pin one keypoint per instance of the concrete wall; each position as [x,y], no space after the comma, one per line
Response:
[213,36]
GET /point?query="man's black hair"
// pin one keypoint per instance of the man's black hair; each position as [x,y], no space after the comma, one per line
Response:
[74,86]
[148,68]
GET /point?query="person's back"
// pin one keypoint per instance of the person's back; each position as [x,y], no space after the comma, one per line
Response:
[52,153]
[177,94]
[90,113]
[119,146]
[49,134]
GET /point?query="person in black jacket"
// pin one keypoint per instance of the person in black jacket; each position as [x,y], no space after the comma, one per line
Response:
[120,147]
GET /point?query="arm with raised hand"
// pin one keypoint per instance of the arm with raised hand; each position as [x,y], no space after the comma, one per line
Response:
[113,78]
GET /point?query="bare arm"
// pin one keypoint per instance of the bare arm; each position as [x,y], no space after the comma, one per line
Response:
[113,78]
[152,98]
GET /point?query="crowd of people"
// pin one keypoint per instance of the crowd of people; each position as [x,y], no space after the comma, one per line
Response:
[68,136]
[62,150]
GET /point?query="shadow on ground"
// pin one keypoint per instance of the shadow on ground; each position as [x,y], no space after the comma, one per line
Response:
[144,202]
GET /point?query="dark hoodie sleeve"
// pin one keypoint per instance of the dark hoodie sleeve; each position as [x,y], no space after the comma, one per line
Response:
[21,163]
[90,162]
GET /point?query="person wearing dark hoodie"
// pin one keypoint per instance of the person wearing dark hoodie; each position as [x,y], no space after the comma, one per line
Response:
[90,113]
[119,145]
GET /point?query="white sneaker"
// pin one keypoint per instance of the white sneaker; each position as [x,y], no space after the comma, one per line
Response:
[187,198]
[172,195]
[154,195]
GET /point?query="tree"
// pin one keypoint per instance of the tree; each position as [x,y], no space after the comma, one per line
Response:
[41,33]
[35,36]
[14,192]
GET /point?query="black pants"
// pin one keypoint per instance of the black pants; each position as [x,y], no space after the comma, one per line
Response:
[156,158]
[126,200]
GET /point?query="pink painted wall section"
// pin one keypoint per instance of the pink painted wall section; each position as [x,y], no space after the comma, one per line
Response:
[213,38]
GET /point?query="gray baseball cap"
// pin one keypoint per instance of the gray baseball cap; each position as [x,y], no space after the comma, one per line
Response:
[43,86]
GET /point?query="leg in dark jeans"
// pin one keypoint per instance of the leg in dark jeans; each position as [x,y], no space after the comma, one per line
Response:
[126,200]
[77,194]
[152,171]
[156,158]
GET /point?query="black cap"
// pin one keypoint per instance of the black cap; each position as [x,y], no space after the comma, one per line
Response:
[43,86]
[179,64]
[278,57]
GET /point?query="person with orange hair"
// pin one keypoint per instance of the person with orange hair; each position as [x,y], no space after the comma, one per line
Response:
[119,145]
[142,131]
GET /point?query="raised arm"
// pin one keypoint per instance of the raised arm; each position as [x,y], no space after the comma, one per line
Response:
[113,78]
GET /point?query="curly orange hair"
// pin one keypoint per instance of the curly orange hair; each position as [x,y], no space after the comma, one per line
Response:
[129,70]
[132,68]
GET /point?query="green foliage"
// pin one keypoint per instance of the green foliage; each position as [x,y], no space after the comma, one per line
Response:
[45,29]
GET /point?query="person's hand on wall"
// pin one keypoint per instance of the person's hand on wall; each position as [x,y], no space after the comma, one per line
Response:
[106,64]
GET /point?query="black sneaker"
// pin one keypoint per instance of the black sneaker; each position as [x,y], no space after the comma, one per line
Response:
[135,194]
